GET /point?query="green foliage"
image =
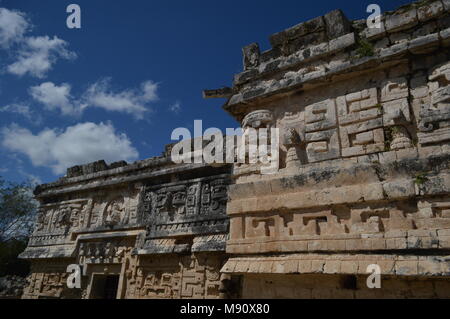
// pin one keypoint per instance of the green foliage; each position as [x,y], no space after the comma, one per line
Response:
[17,214]
[17,210]
[365,48]
[421,179]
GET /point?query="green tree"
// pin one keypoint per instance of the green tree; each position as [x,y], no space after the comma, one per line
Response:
[18,210]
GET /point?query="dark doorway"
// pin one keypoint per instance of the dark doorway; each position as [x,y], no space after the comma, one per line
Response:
[104,287]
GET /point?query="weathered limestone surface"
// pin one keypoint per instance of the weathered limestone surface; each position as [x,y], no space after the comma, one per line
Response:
[364,179]
[158,229]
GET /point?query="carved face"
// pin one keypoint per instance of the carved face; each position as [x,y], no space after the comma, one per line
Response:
[258,119]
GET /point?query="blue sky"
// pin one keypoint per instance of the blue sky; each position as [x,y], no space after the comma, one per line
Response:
[116,88]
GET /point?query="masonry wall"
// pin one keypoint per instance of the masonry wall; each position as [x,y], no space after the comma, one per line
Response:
[342,287]
[150,229]
[363,178]
[364,155]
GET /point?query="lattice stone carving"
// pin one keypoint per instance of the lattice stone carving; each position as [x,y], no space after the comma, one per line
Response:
[321,131]
[361,123]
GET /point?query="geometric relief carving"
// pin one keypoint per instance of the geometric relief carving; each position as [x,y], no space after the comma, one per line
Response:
[433,214]
[185,277]
[56,221]
[434,122]
[102,252]
[396,112]
[300,224]
[192,283]
[361,123]
[349,221]
[48,281]
[186,208]
[157,282]
[321,131]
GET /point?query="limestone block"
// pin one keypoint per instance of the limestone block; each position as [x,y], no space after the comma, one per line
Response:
[424,44]
[396,112]
[337,24]
[401,21]
[406,268]
[387,157]
[317,266]
[444,242]
[429,267]
[394,50]
[430,11]
[399,189]
[349,267]
[332,267]
[394,89]
[320,116]
[342,42]
[306,266]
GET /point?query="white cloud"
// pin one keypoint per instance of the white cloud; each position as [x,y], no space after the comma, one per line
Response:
[34,180]
[55,97]
[175,108]
[18,108]
[33,55]
[130,101]
[78,144]
[99,94]
[13,25]
[37,56]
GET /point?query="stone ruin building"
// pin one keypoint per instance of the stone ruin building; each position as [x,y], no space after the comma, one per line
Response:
[364,178]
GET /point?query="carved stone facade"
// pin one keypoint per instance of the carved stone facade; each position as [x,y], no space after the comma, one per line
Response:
[365,152]
[364,179]
[151,229]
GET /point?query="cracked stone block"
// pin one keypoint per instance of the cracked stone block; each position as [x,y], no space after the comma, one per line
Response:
[337,24]
[401,21]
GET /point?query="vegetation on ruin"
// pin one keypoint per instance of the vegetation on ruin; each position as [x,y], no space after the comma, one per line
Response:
[421,179]
[365,48]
